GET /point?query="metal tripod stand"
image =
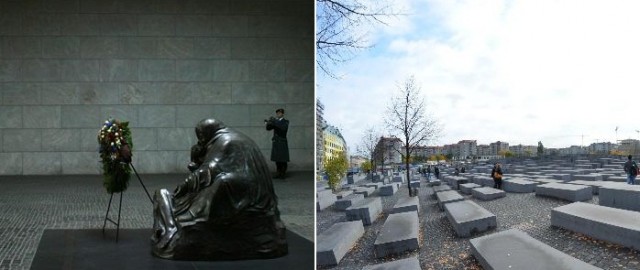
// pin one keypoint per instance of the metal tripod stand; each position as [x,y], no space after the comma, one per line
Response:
[106,218]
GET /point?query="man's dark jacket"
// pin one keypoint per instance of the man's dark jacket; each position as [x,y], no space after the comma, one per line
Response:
[279,146]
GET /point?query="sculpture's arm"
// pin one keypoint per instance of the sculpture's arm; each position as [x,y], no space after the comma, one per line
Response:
[197,180]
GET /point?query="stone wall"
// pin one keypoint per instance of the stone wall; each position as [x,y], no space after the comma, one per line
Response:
[67,65]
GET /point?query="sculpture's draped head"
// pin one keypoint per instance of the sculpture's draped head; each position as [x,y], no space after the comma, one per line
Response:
[207,128]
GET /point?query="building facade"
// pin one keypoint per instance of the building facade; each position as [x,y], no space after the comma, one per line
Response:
[319,135]
[334,143]
[630,146]
[498,147]
[520,150]
[467,149]
[355,162]
[602,148]
[387,151]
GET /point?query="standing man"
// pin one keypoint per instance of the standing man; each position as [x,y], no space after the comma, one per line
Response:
[279,146]
[496,174]
[631,168]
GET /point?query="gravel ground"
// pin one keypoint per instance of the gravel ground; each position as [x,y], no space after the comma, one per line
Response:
[441,249]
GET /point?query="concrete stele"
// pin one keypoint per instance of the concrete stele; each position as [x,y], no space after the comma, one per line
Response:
[336,241]
[448,197]
[514,249]
[398,234]
[467,218]
[366,210]
[605,223]
[566,192]
[407,204]
[404,264]
[488,193]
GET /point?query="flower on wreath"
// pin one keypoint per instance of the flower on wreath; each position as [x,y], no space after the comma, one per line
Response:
[115,152]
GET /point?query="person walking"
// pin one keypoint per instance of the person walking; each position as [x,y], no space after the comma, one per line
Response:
[631,168]
[428,172]
[436,172]
[279,145]
[496,174]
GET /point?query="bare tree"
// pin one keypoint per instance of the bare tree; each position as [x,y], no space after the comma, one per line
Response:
[341,28]
[368,145]
[407,116]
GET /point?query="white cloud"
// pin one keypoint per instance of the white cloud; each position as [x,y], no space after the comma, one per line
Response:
[518,71]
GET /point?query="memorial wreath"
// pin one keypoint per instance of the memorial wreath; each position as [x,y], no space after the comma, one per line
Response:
[115,154]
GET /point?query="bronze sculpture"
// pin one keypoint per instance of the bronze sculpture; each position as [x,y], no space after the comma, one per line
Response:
[226,209]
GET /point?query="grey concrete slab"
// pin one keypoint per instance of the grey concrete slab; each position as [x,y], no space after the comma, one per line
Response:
[325,198]
[514,249]
[467,218]
[567,192]
[594,184]
[398,179]
[613,225]
[621,196]
[437,189]
[373,185]
[587,177]
[388,190]
[433,182]
[519,186]
[346,202]
[398,234]
[336,241]
[11,163]
[324,193]
[561,176]
[411,263]
[366,210]
[407,204]
[487,193]
[415,184]
[366,191]
[466,188]
[455,182]
[546,180]
[343,193]
[617,179]
[448,197]
[483,181]
[606,175]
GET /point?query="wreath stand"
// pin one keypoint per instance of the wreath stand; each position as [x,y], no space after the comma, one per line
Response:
[106,218]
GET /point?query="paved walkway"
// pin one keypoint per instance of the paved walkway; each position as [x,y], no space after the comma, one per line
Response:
[31,204]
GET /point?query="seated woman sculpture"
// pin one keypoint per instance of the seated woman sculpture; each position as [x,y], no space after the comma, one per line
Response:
[226,209]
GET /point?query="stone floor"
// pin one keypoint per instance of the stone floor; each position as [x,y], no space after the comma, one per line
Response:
[441,249]
[31,204]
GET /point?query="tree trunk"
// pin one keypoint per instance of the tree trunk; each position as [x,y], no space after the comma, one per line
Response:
[406,166]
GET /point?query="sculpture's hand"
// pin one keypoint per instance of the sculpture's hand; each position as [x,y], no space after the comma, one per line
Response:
[181,189]
[193,166]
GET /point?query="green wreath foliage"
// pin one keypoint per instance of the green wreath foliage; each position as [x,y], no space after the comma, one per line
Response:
[115,153]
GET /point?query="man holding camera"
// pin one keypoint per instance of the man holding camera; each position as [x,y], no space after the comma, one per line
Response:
[280,148]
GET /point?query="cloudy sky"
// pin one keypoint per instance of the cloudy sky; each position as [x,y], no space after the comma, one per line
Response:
[560,72]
